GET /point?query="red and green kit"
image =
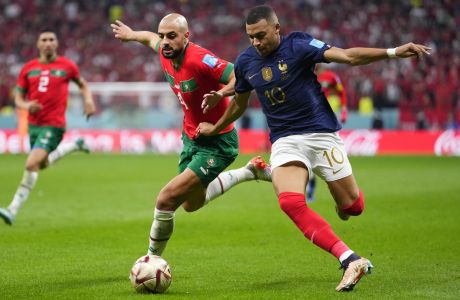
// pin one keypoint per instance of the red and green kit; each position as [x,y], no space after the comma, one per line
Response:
[197,72]
[48,84]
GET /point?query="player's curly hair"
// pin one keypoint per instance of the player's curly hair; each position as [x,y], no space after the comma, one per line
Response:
[261,12]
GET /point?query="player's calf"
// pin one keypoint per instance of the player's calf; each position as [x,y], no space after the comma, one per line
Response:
[355,209]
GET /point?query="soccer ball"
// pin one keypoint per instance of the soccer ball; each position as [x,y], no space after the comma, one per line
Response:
[150,274]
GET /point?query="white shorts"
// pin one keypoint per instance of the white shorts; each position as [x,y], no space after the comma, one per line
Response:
[322,153]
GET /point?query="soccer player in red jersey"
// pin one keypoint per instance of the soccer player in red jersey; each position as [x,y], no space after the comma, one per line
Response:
[331,86]
[42,90]
[200,80]
[303,127]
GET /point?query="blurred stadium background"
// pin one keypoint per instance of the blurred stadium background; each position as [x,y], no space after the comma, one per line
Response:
[129,86]
[88,218]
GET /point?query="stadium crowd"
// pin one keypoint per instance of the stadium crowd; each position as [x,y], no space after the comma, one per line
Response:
[425,90]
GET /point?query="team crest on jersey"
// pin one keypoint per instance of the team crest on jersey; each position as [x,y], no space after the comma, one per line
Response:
[210,162]
[283,67]
[267,73]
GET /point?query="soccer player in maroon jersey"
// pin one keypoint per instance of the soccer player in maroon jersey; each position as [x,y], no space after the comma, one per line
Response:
[303,127]
[200,80]
[42,90]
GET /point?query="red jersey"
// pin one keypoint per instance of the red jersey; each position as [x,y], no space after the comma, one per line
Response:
[331,85]
[198,72]
[48,84]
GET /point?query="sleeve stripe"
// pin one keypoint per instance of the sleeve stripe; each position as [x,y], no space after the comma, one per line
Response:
[157,46]
[226,73]
[20,89]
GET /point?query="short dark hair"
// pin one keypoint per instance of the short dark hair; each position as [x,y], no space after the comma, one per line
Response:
[47,29]
[259,13]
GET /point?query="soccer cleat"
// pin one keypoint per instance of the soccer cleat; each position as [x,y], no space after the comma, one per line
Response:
[7,216]
[342,215]
[353,273]
[82,146]
[260,169]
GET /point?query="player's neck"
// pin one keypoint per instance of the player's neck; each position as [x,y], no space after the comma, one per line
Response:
[44,59]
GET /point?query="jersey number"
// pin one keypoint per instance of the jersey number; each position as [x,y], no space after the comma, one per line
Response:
[43,84]
[275,95]
[181,100]
[335,155]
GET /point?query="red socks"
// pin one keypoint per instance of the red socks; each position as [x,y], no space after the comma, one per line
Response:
[312,225]
[356,208]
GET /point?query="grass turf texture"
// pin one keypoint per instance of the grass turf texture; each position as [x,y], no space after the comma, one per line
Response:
[89,217]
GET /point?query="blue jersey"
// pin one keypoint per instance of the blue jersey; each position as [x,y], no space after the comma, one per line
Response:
[286,85]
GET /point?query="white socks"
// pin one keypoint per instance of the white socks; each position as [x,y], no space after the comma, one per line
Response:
[345,255]
[61,151]
[162,228]
[225,181]
[22,193]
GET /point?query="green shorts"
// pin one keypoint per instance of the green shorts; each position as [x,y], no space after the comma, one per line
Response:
[45,137]
[208,156]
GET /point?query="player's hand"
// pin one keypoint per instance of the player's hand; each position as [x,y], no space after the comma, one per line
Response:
[210,100]
[205,128]
[90,109]
[122,31]
[344,115]
[411,49]
[33,106]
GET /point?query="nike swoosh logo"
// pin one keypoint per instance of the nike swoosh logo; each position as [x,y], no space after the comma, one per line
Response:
[335,172]
[205,172]
[251,76]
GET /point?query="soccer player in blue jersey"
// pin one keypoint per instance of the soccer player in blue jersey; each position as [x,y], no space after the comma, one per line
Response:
[303,127]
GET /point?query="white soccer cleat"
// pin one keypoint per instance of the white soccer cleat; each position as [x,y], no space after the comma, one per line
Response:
[7,216]
[260,169]
[82,146]
[353,273]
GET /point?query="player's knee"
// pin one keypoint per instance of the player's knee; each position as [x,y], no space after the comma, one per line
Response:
[357,207]
[165,201]
[33,167]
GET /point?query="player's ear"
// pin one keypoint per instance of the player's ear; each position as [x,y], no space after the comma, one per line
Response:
[277,28]
[187,34]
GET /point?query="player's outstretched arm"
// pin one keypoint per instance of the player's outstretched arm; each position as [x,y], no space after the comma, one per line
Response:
[363,56]
[89,107]
[212,98]
[235,109]
[125,34]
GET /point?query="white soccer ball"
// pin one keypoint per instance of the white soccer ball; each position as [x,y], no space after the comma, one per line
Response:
[150,274]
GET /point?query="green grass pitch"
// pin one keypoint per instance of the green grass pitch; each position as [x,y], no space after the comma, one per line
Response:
[89,217]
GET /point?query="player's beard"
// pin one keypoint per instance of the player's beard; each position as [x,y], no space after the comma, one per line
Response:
[171,55]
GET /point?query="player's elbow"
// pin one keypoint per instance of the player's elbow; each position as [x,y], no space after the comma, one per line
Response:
[354,62]
[351,58]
